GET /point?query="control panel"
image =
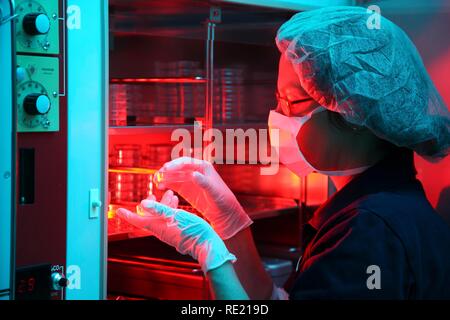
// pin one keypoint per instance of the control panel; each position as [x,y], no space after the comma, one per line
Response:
[37,46]
[37,93]
[37,26]
[41,152]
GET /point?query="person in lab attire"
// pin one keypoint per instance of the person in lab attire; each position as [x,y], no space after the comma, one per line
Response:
[354,103]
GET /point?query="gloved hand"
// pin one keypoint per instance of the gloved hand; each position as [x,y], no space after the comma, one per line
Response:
[188,233]
[168,198]
[198,182]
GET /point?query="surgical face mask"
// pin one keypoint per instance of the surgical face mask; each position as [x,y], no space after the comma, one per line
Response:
[288,149]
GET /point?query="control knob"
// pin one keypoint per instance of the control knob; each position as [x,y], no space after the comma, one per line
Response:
[36,104]
[36,23]
[59,281]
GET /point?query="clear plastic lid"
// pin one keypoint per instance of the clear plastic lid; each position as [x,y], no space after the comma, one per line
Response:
[161,178]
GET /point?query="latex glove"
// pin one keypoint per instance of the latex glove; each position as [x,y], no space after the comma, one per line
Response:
[186,232]
[199,183]
[168,198]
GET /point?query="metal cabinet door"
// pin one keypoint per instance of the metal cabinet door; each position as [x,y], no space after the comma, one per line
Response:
[87,89]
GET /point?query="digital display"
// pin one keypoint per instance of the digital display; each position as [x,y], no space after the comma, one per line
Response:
[33,283]
[27,285]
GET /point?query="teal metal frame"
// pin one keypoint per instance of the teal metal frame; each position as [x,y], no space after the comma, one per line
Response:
[7,150]
[87,94]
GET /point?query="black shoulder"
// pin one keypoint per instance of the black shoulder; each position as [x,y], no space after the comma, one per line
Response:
[405,213]
[339,260]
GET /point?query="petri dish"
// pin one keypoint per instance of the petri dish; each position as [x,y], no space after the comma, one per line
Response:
[161,178]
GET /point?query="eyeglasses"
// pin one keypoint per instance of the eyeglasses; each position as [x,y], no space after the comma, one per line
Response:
[286,104]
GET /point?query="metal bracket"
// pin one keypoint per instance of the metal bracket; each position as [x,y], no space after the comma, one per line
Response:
[215,15]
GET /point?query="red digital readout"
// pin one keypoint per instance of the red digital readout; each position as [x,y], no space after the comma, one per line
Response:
[26,285]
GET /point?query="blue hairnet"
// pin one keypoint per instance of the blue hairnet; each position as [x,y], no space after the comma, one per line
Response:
[373,77]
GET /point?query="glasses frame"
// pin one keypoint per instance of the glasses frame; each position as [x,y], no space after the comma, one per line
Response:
[287,104]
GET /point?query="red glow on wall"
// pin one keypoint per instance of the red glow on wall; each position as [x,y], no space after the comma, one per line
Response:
[435,177]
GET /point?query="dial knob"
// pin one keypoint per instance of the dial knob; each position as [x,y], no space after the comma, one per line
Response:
[36,104]
[59,281]
[21,74]
[36,23]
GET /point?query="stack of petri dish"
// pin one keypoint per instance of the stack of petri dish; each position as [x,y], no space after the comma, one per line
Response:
[260,97]
[185,91]
[141,103]
[126,186]
[117,105]
[126,155]
[155,155]
[228,94]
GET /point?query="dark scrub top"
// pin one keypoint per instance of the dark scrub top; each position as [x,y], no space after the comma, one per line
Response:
[382,219]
